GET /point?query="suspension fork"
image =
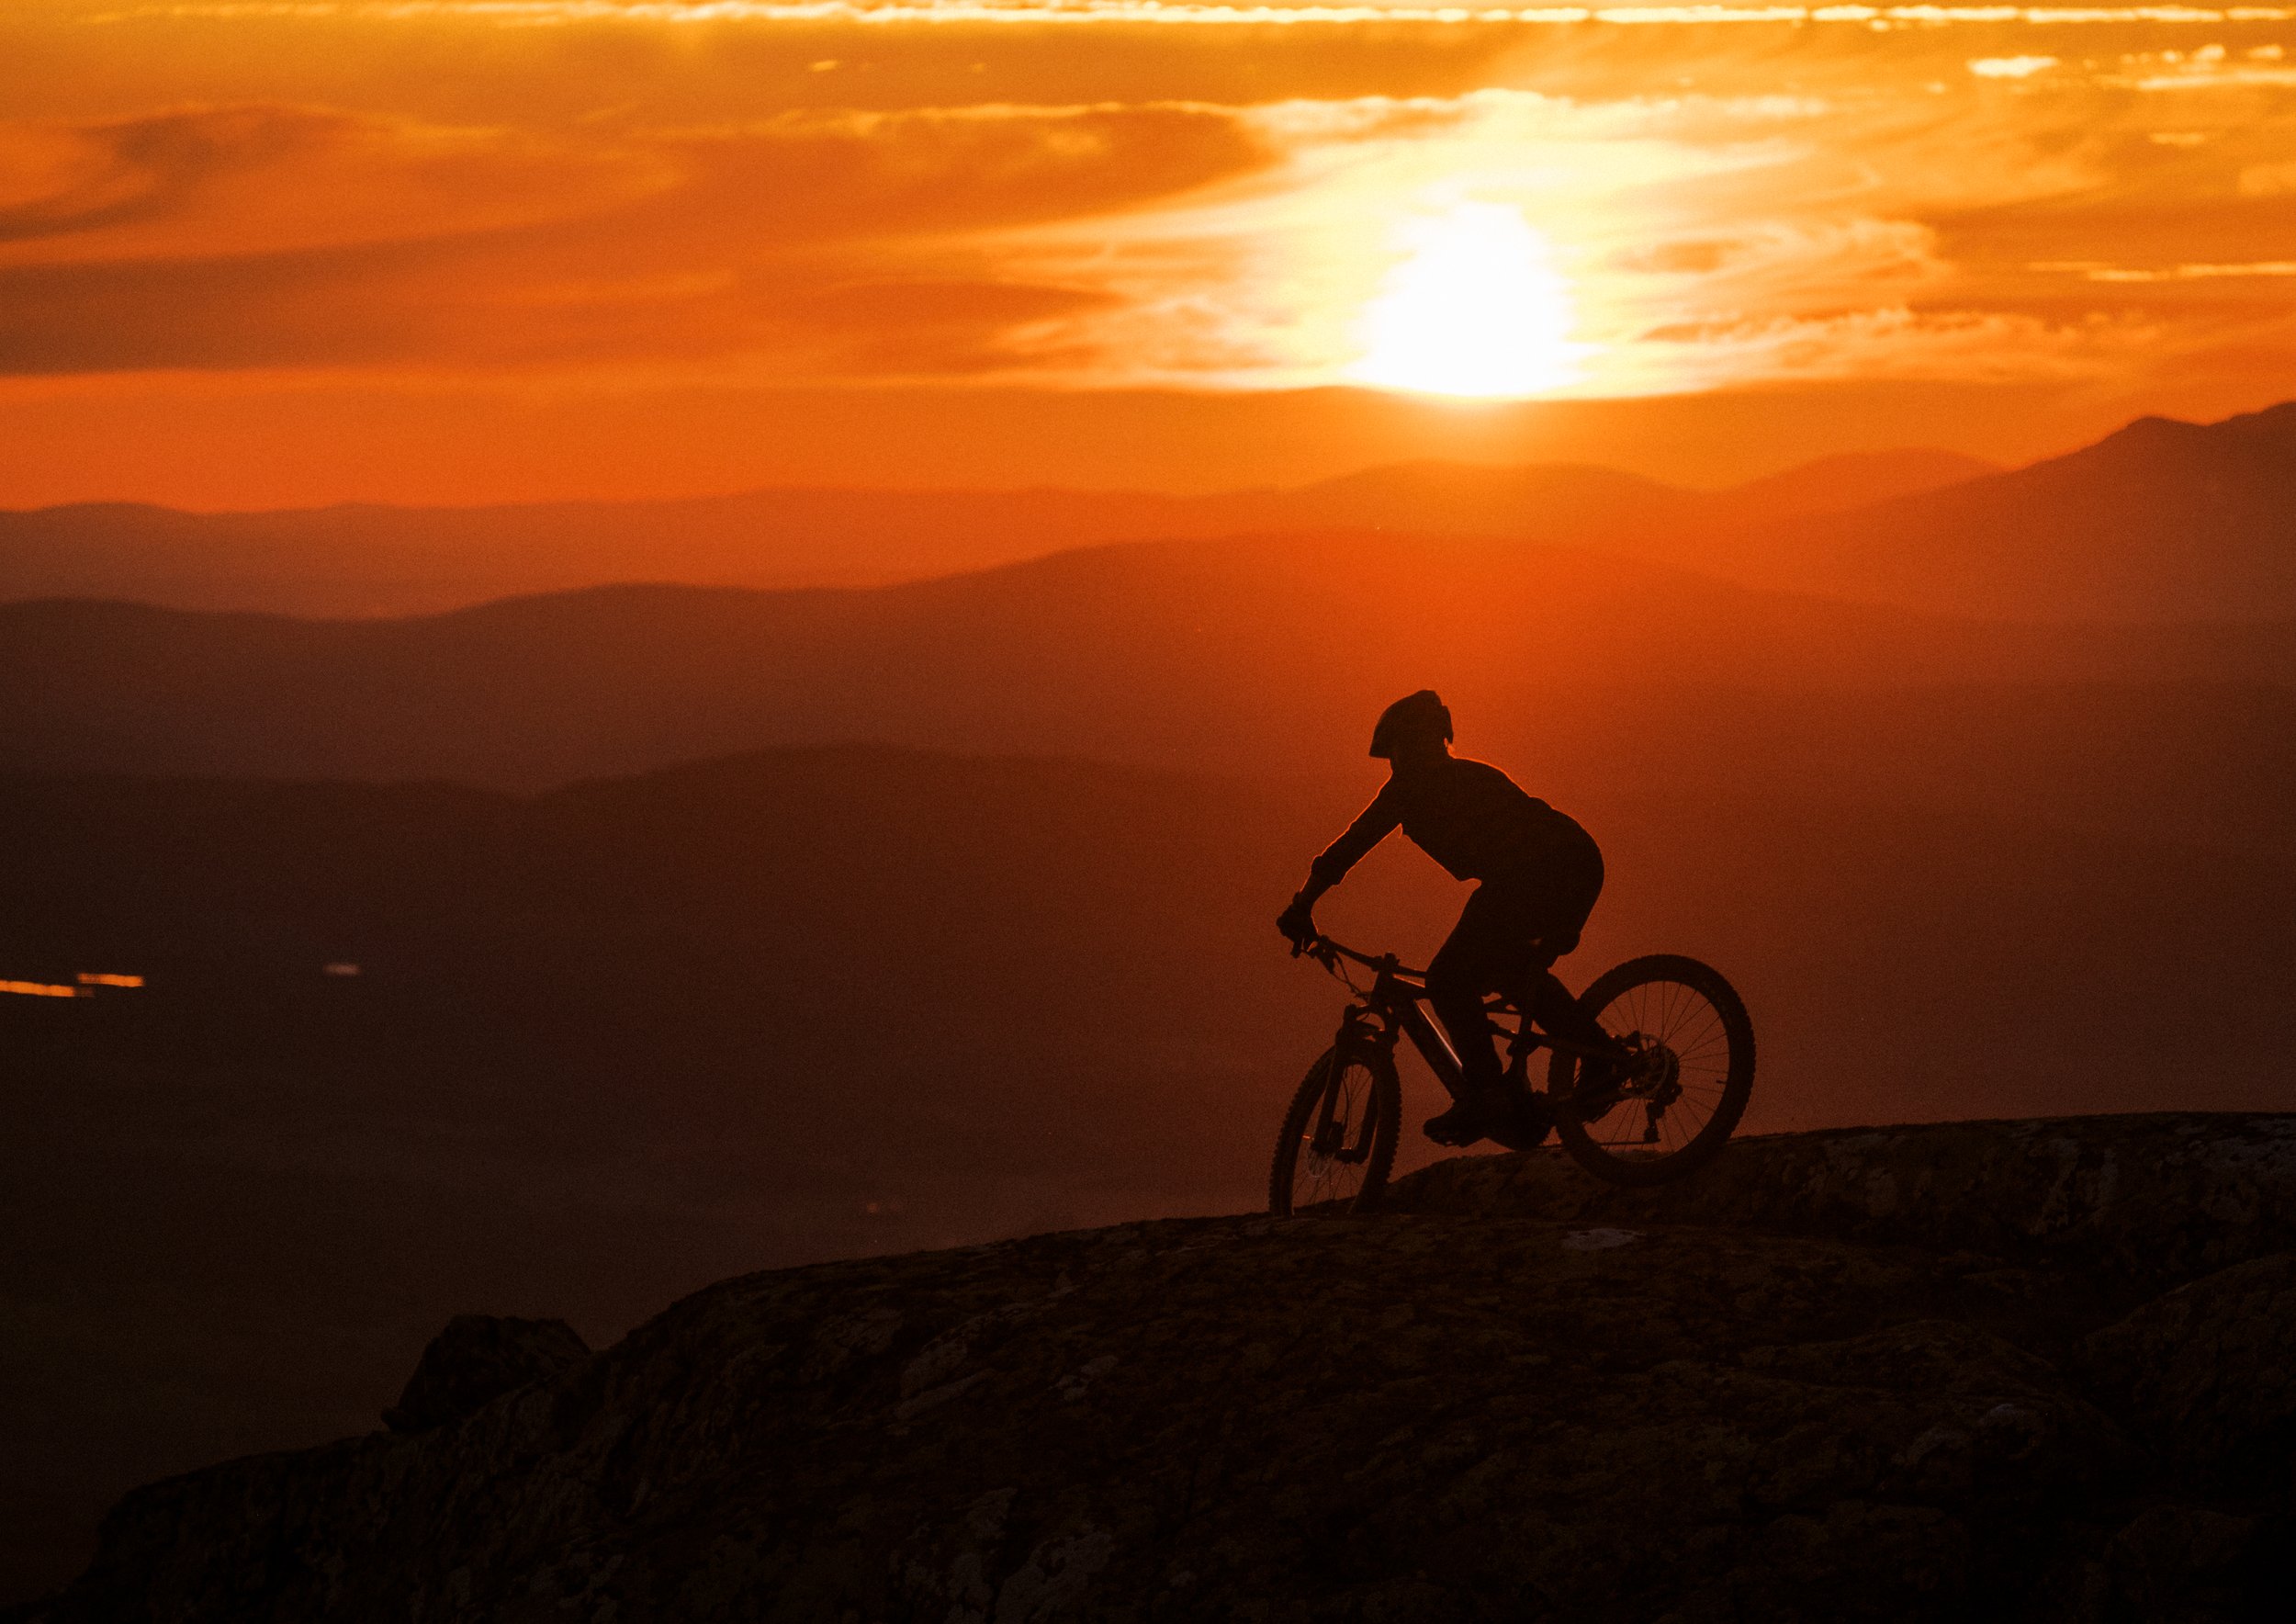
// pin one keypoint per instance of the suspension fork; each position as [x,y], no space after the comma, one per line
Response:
[1357,1030]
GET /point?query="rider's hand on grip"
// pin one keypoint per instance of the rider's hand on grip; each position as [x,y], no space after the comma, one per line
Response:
[1297,924]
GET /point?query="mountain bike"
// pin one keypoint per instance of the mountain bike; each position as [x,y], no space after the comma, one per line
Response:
[1658,1102]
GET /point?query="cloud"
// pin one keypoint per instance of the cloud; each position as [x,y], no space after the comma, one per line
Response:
[267,179]
[1174,14]
[2010,67]
[1892,343]
[846,174]
[1743,206]
[1709,242]
[2096,271]
[279,236]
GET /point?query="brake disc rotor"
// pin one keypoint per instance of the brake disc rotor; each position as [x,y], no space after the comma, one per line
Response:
[1657,1073]
[1666,1083]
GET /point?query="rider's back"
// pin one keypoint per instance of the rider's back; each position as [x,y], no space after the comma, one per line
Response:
[1470,818]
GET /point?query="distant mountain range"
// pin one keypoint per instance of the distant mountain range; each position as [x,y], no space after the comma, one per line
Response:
[1234,655]
[2161,521]
[369,560]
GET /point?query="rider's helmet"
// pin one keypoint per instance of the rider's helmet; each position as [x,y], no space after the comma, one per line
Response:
[1420,717]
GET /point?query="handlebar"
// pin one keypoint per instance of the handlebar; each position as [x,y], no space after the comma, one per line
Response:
[1327,953]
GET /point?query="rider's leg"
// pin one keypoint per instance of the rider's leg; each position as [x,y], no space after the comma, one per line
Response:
[1557,1010]
[1550,1003]
[1472,960]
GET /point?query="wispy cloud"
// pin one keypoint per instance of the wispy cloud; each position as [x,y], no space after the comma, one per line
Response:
[267,236]
[2094,272]
[1185,14]
[238,181]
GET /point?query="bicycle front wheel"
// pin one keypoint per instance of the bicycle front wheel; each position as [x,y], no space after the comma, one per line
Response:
[1338,1139]
[1682,1093]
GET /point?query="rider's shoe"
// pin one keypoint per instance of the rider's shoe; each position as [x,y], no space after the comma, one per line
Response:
[1463,1124]
[1523,1123]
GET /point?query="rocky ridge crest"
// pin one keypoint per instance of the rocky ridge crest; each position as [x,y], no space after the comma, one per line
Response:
[2013,1370]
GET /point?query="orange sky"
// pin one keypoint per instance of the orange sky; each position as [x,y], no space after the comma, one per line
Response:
[465,250]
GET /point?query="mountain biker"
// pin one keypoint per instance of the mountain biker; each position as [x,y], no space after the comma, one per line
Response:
[1539,875]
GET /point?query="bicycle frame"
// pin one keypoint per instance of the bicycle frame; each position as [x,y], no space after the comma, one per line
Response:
[1393,1007]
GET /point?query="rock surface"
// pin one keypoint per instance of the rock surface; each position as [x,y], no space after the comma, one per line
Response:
[2208,1372]
[1905,1374]
[477,1359]
[2157,1197]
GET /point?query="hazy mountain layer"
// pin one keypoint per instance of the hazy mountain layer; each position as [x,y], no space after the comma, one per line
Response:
[1231,655]
[2162,521]
[362,559]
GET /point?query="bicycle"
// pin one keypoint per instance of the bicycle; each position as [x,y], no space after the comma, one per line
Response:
[1662,1100]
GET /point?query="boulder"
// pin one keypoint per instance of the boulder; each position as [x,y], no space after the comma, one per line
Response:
[477,1359]
[2182,1563]
[2208,1372]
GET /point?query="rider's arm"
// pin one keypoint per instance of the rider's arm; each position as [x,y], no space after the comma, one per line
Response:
[1371,826]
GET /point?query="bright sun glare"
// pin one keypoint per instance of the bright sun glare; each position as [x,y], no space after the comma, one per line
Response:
[1476,308]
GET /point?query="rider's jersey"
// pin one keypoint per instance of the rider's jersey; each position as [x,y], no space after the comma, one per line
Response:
[1470,818]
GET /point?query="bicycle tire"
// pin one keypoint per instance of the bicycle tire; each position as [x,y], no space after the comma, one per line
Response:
[1380,1099]
[1720,1086]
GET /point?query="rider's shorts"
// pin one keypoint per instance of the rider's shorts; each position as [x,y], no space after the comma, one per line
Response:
[1514,925]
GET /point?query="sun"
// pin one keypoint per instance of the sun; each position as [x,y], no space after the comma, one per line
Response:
[1475,308]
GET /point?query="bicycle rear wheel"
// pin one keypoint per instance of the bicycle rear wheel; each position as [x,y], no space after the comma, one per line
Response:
[1683,1092]
[1338,1139]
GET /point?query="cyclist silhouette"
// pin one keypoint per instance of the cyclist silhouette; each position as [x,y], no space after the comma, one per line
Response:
[1539,874]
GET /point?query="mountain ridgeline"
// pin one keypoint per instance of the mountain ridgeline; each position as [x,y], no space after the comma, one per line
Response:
[1250,652]
[2163,520]
[366,560]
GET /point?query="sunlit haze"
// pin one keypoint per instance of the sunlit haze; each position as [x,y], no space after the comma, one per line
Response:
[1476,308]
[470,249]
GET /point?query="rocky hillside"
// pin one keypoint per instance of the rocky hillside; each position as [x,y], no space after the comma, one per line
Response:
[2040,1369]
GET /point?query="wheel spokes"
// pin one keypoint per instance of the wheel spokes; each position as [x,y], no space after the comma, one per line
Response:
[1681,1021]
[1334,1150]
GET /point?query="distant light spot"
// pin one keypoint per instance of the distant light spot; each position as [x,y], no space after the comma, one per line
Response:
[104,978]
[43,989]
[341,970]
